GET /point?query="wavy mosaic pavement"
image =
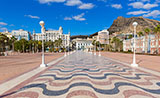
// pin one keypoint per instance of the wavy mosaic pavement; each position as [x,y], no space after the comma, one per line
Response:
[83,75]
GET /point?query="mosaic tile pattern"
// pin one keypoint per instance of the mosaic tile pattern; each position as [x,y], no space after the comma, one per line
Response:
[82,75]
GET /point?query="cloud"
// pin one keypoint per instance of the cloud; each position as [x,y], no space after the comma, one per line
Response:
[157,1]
[86,6]
[73,2]
[24,26]
[78,3]
[149,6]
[141,0]
[139,5]
[34,17]
[102,0]
[145,0]
[117,6]
[136,5]
[11,25]
[3,29]
[79,17]
[137,12]
[3,23]
[67,18]
[50,1]
[154,14]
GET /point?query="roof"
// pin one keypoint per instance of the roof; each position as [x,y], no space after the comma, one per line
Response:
[94,34]
[79,36]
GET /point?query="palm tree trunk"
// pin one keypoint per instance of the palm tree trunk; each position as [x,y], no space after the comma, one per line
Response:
[23,48]
[13,46]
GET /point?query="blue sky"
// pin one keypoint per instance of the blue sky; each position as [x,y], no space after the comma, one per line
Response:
[78,16]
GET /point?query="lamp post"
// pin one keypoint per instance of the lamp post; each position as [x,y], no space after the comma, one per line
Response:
[43,32]
[134,50]
[68,48]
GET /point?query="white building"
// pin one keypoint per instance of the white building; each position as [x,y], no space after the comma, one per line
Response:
[19,34]
[103,37]
[52,35]
[83,44]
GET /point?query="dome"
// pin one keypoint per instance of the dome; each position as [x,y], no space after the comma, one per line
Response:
[60,28]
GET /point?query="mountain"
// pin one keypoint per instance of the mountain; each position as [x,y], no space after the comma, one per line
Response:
[79,36]
[124,25]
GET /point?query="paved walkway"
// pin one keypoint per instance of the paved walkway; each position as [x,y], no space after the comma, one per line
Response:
[23,63]
[83,75]
[146,61]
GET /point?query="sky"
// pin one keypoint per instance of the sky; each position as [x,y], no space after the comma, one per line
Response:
[80,17]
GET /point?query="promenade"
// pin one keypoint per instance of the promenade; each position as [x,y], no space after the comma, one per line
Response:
[146,61]
[14,65]
[84,75]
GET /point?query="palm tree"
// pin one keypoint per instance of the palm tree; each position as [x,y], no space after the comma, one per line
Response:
[140,34]
[94,44]
[117,44]
[3,38]
[97,44]
[13,39]
[30,42]
[49,44]
[39,45]
[146,30]
[157,33]
[23,42]
[58,43]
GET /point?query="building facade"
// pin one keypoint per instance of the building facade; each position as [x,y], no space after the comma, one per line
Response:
[21,34]
[52,35]
[83,44]
[144,44]
[103,37]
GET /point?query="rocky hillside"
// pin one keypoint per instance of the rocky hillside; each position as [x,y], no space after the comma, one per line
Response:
[124,25]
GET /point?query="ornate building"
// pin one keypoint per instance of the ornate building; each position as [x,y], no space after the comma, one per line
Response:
[52,35]
[19,34]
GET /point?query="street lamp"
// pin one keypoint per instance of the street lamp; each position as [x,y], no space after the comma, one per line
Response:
[43,32]
[134,54]
[68,48]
